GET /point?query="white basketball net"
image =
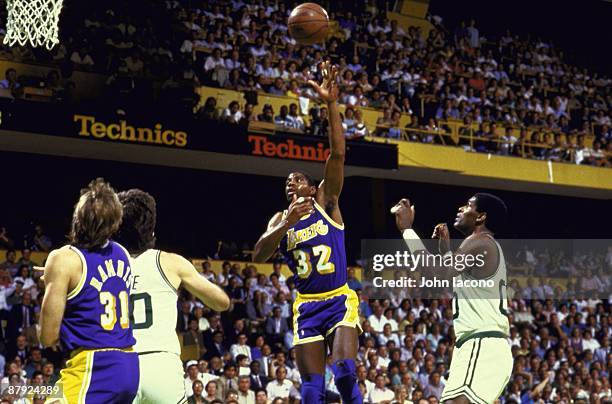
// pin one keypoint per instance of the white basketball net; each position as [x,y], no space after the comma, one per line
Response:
[33,21]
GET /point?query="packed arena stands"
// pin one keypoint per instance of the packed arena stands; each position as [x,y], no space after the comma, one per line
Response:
[499,94]
[451,86]
[560,341]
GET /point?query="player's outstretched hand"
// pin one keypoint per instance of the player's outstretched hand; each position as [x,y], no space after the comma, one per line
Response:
[404,214]
[328,89]
[443,235]
[299,207]
[441,231]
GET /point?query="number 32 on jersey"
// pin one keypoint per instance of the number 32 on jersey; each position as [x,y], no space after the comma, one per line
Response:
[304,266]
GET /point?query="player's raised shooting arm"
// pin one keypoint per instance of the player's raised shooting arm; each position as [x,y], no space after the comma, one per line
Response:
[328,91]
[210,294]
[58,269]
[334,166]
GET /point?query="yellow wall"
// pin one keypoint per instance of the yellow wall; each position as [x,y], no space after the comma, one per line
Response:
[224,97]
[415,8]
[38,257]
[508,168]
[216,265]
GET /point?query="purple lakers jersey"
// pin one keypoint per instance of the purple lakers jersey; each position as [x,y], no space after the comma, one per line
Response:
[97,310]
[314,251]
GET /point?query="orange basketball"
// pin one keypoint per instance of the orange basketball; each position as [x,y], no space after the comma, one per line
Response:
[308,24]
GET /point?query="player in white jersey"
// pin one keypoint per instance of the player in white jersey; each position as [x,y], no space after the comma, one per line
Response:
[482,361]
[157,277]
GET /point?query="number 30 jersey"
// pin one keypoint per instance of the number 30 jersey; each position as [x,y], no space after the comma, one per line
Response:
[314,251]
[154,306]
[97,311]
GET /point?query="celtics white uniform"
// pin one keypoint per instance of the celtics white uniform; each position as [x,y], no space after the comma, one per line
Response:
[482,361]
[154,315]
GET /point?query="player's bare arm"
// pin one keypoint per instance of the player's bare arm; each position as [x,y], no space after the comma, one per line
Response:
[184,274]
[278,225]
[475,244]
[330,188]
[62,272]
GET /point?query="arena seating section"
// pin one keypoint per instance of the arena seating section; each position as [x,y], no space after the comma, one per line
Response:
[559,332]
[429,83]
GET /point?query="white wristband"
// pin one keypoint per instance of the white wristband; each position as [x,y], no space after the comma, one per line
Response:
[413,241]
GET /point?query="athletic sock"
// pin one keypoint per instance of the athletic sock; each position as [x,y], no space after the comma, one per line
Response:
[345,374]
[313,389]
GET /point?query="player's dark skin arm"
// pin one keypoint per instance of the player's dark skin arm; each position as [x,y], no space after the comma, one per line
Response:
[344,342]
[476,244]
[330,188]
[268,243]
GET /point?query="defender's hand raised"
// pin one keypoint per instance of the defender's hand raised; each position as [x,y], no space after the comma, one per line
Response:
[404,214]
[443,235]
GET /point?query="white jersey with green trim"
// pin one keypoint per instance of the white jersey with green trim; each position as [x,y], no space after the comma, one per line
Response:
[154,302]
[481,308]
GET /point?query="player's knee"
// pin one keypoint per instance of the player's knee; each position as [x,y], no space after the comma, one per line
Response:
[313,389]
[344,368]
[345,376]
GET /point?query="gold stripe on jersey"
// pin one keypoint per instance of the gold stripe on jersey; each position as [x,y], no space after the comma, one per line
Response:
[74,292]
[328,218]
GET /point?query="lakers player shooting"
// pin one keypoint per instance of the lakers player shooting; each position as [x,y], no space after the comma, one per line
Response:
[86,304]
[157,277]
[482,362]
[310,234]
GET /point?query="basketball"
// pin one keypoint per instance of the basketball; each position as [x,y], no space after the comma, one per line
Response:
[308,23]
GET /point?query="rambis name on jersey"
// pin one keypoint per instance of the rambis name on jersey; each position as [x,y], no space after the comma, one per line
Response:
[109,270]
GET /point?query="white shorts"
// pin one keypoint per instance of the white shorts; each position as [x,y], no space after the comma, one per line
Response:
[479,370]
[161,379]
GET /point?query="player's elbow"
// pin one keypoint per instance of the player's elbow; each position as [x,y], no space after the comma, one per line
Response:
[223,303]
[48,339]
[258,253]
[338,155]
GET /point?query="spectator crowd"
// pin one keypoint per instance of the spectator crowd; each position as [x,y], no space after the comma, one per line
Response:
[560,338]
[501,94]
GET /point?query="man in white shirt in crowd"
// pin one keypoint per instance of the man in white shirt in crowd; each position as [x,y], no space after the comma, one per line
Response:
[233,62]
[362,376]
[204,373]
[193,374]
[295,120]
[380,393]
[277,266]
[258,50]
[241,348]
[377,320]
[245,394]
[232,113]
[214,61]
[281,387]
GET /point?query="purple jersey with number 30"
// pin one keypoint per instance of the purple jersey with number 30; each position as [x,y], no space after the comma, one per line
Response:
[97,310]
[314,250]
